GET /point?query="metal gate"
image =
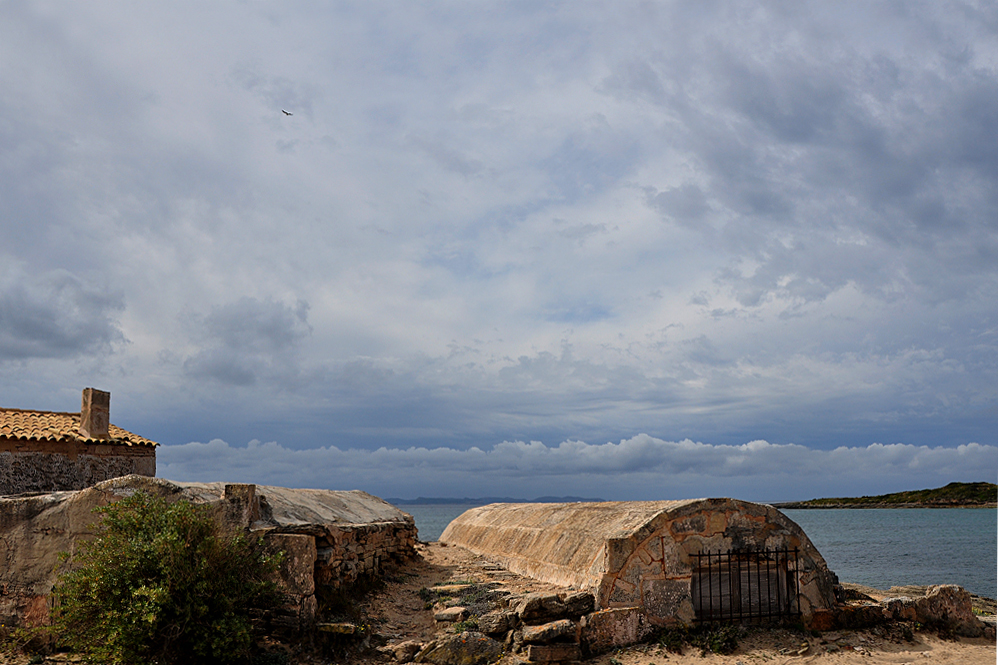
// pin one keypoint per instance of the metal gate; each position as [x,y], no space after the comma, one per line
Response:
[746,585]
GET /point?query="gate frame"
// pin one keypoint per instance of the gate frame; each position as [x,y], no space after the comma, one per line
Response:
[776,560]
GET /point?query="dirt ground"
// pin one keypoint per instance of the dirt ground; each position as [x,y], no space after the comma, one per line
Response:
[402,610]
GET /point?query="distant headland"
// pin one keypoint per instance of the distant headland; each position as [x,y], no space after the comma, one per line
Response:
[954,495]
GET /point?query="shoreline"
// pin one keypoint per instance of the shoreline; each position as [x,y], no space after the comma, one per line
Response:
[802,505]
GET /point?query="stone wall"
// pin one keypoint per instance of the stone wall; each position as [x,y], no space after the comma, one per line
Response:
[331,560]
[350,553]
[28,467]
[332,540]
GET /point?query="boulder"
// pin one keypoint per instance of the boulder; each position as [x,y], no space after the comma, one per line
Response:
[947,606]
[557,653]
[471,648]
[578,603]
[497,623]
[451,614]
[537,606]
[902,608]
[404,652]
[550,632]
[609,629]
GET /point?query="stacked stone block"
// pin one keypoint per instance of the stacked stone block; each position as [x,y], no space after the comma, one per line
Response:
[349,553]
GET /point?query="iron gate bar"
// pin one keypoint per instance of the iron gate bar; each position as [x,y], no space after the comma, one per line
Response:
[772,565]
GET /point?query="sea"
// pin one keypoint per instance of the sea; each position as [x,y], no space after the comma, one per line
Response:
[880,548]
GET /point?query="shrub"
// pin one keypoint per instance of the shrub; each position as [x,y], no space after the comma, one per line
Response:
[163,583]
[709,638]
[465,626]
[722,639]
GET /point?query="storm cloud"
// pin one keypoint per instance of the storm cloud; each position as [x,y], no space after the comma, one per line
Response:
[55,315]
[486,223]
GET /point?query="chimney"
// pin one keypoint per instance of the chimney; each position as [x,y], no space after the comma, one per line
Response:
[95,414]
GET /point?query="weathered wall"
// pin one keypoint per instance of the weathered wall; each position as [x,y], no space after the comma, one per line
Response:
[349,553]
[325,547]
[70,466]
[636,554]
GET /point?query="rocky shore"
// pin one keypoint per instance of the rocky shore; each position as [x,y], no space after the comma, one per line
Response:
[804,505]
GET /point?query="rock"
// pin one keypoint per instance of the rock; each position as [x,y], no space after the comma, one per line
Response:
[608,629]
[469,648]
[547,653]
[337,628]
[948,606]
[451,614]
[860,616]
[538,605]
[550,632]
[403,652]
[902,608]
[821,620]
[497,623]
[578,603]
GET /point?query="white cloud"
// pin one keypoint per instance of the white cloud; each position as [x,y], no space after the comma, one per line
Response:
[641,467]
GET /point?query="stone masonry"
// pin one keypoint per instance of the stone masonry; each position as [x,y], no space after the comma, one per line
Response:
[332,540]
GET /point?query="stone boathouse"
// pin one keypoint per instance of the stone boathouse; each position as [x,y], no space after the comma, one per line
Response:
[697,559]
[331,539]
[47,451]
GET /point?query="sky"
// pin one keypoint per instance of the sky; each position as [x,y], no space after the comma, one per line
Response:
[633,250]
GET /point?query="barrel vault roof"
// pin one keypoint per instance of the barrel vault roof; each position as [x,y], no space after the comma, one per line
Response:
[57,427]
[570,536]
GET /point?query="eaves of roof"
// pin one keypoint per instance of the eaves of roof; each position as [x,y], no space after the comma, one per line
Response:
[53,426]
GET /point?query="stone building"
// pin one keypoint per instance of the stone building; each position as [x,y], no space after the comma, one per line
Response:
[47,451]
[698,559]
[331,539]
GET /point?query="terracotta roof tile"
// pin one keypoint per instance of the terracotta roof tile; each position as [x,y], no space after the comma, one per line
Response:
[27,425]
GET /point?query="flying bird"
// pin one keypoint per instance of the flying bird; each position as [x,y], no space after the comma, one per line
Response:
[285,112]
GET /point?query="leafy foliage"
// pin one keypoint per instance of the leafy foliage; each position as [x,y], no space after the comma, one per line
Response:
[163,583]
[465,626]
[709,638]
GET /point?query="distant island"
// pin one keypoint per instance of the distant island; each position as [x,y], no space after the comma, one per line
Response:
[483,501]
[954,495]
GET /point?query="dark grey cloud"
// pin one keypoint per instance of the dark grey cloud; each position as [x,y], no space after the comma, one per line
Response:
[818,140]
[686,204]
[248,339]
[56,315]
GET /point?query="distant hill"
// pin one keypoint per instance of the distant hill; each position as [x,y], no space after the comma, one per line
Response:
[482,501]
[954,495]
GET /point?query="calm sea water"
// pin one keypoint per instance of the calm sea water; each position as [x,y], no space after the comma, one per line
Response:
[878,548]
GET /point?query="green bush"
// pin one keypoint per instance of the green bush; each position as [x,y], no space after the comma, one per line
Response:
[163,583]
[709,638]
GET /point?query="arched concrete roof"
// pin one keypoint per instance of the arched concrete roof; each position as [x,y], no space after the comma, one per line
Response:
[561,543]
[288,507]
[617,549]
